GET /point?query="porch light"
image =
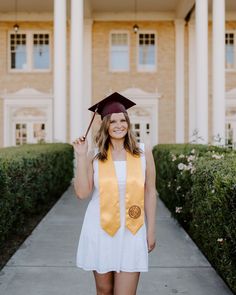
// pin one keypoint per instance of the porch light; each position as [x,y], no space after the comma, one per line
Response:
[135,28]
[16,28]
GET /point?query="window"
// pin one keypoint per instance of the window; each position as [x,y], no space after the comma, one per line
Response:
[21,134]
[18,51]
[29,132]
[230,50]
[137,129]
[147,51]
[41,51]
[29,51]
[119,51]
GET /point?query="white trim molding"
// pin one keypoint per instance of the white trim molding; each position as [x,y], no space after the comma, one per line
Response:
[148,102]
[25,98]
[129,16]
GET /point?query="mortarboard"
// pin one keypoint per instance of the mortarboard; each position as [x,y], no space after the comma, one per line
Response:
[114,103]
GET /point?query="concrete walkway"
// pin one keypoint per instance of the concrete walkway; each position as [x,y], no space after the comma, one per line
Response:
[45,263]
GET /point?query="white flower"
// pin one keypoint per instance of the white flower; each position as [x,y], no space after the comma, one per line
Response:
[169,184]
[181,166]
[213,191]
[189,167]
[193,151]
[173,157]
[181,156]
[178,188]
[220,240]
[178,209]
[192,170]
[191,158]
[215,156]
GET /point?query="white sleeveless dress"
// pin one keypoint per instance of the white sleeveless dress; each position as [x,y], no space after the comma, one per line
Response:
[99,251]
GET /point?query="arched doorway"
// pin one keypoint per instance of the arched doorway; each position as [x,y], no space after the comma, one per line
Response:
[144,116]
[231,118]
[27,117]
[28,126]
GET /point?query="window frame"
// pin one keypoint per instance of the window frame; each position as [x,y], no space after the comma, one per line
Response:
[234,66]
[110,50]
[29,52]
[141,68]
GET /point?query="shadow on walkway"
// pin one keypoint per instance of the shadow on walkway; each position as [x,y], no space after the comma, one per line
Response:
[45,263]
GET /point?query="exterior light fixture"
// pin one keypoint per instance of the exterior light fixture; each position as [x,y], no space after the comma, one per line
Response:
[135,28]
[16,28]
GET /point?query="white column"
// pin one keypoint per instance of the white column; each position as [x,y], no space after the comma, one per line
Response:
[218,70]
[179,80]
[192,80]
[77,109]
[202,70]
[88,25]
[59,71]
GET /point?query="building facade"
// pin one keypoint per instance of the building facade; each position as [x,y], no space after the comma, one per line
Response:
[59,57]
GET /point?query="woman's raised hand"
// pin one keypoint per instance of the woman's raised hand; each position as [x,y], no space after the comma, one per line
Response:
[80,146]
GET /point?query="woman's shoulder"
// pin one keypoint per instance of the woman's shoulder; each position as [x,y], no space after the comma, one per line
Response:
[146,147]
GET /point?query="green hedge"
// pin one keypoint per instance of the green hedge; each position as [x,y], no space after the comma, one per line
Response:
[198,185]
[30,176]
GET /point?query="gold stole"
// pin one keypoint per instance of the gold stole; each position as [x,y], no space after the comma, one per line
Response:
[109,194]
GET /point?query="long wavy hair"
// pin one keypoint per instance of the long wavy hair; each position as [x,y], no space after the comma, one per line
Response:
[102,139]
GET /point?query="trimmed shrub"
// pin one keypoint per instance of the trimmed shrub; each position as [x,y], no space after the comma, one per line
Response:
[197,183]
[30,176]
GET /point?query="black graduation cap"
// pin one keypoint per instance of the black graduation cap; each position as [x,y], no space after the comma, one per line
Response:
[114,103]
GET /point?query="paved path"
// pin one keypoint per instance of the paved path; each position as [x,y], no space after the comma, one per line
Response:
[45,263]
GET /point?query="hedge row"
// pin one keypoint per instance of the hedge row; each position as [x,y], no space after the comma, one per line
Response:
[30,176]
[198,185]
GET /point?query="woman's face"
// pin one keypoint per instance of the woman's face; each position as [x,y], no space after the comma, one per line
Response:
[118,126]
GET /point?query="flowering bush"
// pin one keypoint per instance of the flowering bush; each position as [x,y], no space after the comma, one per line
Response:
[213,223]
[197,183]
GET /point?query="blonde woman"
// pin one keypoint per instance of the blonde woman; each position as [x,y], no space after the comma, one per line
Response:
[119,225]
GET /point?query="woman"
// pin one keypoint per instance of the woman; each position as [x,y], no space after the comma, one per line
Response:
[119,224]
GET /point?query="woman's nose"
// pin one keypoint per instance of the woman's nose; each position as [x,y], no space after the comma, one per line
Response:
[118,124]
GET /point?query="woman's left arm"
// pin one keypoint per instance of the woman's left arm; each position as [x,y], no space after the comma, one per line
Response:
[150,198]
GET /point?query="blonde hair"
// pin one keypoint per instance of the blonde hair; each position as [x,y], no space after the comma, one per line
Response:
[102,139]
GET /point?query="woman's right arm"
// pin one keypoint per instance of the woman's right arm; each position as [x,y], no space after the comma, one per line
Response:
[83,181]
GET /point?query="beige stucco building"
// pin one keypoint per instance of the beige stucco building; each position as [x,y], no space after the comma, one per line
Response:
[64,55]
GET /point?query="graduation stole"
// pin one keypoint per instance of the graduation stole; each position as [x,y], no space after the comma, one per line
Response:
[109,194]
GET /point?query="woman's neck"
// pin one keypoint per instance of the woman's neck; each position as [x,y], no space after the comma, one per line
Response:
[117,145]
